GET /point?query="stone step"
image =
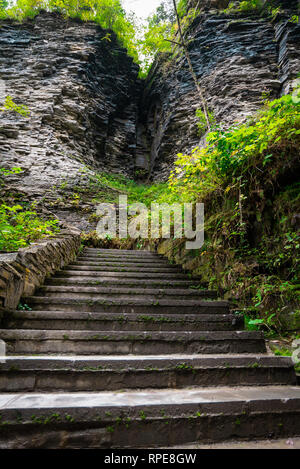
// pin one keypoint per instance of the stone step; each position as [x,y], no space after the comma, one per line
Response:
[130,265]
[98,291]
[265,443]
[134,419]
[21,341]
[120,253]
[137,268]
[76,374]
[124,260]
[121,282]
[98,272]
[62,320]
[115,305]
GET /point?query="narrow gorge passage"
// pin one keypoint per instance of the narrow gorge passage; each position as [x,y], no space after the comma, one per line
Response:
[120,349]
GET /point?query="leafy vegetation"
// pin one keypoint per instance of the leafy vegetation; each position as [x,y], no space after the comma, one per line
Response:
[160,33]
[157,34]
[283,352]
[245,6]
[10,105]
[19,227]
[202,124]
[232,153]
[252,243]
[136,192]
[8,172]
[3,6]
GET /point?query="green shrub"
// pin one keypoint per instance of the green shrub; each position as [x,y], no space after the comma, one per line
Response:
[246,6]
[19,227]
[250,5]
[283,352]
[230,153]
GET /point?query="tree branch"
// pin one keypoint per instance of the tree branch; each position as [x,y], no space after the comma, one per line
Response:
[187,54]
[173,42]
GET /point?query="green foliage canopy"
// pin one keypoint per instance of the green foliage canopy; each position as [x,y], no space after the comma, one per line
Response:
[108,13]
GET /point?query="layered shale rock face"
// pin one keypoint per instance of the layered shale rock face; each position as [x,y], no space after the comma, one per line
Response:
[237,58]
[88,107]
[81,89]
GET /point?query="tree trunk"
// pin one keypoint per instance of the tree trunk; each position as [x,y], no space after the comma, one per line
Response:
[187,54]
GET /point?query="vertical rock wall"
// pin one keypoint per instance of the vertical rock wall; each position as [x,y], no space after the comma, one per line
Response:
[237,58]
[82,92]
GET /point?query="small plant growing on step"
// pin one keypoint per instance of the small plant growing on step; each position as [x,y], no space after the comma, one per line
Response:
[24,307]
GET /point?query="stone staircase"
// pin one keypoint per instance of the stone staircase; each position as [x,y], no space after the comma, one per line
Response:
[121,349]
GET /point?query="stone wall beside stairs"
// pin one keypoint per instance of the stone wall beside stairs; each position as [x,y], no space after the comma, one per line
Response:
[22,272]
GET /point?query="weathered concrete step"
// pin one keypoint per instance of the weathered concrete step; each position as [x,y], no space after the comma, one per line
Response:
[265,443]
[124,362]
[120,253]
[121,282]
[62,320]
[126,260]
[137,268]
[146,305]
[21,341]
[77,271]
[98,291]
[129,265]
[149,418]
[35,374]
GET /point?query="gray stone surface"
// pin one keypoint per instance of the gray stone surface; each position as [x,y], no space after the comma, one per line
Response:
[139,342]
[285,395]
[22,272]
[283,443]
[134,361]
[82,93]
[53,374]
[118,387]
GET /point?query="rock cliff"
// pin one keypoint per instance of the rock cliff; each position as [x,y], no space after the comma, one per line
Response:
[90,112]
[237,58]
[82,91]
